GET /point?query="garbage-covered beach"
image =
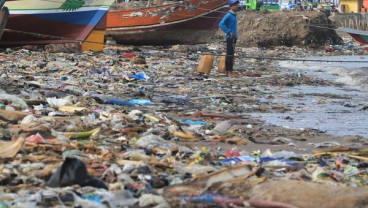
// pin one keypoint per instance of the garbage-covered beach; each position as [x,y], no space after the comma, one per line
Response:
[138,126]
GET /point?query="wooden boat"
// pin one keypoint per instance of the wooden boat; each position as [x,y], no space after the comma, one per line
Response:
[96,39]
[4,14]
[358,35]
[179,22]
[45,22]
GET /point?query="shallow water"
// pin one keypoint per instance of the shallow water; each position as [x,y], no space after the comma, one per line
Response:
[352,74]
[335,110]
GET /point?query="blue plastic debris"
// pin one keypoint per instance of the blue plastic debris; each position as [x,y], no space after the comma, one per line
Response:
[106,71]
[139,76]
[131,103]
[234,160]
[117,101]
[336,47]
[287,161]
[92,197]
[192,122]
[140,102]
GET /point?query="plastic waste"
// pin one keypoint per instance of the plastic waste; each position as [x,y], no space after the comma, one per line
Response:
[129,55]
[176,99]
[2,204]
[336,47]
[232,153]
[139,76]
[106,71]
[117,101]
[15,101]
[349,45]
[234,160]
[156,141]
[135,114]
[193,169]
[29,119]
[81,202]
[223,126]
[71,172]
[328,144]
[92,197]
[192,122]
[73,153]
[351,170]
[277,161]
[149,200]
[55,102]
[140,102]
[285,154]
[320,174]
[123,198]
[37,138]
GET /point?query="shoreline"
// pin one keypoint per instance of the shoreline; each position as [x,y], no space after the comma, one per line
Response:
[145,123]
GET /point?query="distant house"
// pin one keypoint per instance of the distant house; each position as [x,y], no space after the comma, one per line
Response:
[348,6]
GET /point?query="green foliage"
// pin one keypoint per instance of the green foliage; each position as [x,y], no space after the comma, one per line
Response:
[72,5]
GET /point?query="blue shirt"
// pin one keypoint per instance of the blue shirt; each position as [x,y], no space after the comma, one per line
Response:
[228,24]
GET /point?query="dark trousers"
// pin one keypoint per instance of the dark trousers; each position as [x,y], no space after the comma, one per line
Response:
[230,50]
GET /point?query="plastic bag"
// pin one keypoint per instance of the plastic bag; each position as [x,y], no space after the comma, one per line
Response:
[71,172]
[117,101]
[15,101]
[140,102]
[140,76]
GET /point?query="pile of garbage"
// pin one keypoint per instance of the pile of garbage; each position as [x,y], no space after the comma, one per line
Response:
[286,28]
[139,127]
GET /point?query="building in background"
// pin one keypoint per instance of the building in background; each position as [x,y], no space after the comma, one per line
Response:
[349,6]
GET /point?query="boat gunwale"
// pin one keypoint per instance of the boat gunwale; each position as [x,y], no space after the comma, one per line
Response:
[127,28]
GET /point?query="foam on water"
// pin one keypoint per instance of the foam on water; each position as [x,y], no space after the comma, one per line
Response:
[336,110]
[353,74]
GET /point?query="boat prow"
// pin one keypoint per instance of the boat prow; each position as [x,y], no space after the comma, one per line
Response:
[39,22]
[358,35]
[4,15]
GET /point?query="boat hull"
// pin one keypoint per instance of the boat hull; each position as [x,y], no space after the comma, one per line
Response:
[4,15]
[358,35]
[169,26]
[51,24]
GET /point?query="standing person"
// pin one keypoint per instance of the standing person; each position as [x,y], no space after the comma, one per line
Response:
[303,6]
[228,24]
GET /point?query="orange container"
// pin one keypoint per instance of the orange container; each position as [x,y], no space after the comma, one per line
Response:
[205,64]
[221,65]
